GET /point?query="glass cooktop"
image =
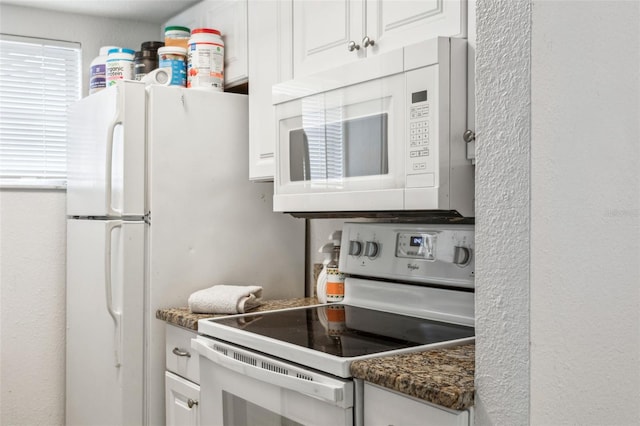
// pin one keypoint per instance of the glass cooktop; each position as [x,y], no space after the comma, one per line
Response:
[347,331]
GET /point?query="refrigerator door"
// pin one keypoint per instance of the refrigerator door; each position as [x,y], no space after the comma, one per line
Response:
[209,224]
[106,153]
[105,300]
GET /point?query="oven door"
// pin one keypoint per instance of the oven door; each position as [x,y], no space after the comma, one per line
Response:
[342,149]
[239,387]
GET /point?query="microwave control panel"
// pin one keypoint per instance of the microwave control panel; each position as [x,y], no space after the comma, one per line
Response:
[422,99]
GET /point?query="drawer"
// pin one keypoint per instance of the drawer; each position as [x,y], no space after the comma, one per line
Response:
[180,358]
[384,407]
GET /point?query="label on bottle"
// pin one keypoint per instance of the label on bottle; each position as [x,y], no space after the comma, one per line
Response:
[335,285]
[97,78]
[119,69]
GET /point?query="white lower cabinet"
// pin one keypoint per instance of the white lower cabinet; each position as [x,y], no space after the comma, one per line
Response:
[182,383]
[183,401]
[386,407]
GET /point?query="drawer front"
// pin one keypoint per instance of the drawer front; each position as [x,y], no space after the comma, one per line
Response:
[383,407]
[180,358]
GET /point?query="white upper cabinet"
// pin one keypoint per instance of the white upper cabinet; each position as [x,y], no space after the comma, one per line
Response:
[230,18]
[269,63]
[329,33]
[322,31]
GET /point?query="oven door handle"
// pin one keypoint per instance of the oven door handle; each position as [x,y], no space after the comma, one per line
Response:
[324,391]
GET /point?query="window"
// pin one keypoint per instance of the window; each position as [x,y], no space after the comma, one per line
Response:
[39,79]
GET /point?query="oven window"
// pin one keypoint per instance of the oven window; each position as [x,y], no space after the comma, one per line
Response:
[240,412]
[342,149]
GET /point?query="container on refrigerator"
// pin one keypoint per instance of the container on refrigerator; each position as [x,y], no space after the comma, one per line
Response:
[159,205]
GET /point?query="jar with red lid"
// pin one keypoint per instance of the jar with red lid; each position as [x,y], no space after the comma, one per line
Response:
[205,66]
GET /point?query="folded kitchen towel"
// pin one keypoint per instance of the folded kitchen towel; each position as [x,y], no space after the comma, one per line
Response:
[225,299]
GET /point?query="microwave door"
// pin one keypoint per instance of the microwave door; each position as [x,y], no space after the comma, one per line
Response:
[366,146]
[342,150]
[299,156]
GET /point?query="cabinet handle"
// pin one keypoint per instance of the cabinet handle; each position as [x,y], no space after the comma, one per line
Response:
[353,46]
[366,42]
[191,403]
[469,136]
[178,352]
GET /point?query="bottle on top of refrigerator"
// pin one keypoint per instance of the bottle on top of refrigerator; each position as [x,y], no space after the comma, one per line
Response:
[119,65]
[205,67]
[174,57]
[98,70]
[146,59]
[177,36]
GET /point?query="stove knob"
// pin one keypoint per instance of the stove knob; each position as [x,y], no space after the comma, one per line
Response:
[355,248]
[461,256]
[371,249]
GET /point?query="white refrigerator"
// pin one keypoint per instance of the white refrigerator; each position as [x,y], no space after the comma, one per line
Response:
[159,205]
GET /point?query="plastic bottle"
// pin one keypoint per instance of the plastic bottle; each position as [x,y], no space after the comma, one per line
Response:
[174,57]
[335,279]
[146,60]
[119,65]
[321,283]
[177,36]
[98,70]
[205,67]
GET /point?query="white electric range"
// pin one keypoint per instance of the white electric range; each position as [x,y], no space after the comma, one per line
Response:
[410,288]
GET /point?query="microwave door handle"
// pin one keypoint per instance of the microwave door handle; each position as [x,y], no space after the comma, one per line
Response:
[323,391]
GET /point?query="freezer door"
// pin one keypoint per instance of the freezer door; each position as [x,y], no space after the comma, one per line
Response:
[105,322]
[106,153]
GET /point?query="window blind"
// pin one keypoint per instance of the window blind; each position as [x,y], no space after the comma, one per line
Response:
[39,79]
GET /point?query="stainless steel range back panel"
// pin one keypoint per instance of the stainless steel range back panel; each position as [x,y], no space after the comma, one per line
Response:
[417,253]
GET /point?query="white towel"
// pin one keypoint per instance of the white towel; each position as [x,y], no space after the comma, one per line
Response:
[225,299]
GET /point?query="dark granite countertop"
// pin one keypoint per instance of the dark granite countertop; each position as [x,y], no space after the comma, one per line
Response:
[183,317]
[441,376]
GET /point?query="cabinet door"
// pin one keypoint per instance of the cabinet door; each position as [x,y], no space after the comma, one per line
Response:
[230,18]
[183,401]
[393,24]
[322,30]
[384,407]
[269,35]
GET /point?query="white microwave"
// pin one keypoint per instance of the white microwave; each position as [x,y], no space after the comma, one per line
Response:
[380,134]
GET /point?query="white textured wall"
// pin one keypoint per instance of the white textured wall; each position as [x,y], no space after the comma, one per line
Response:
[32,307]
[502,211]
[32,245]
[585,213]
[558,214]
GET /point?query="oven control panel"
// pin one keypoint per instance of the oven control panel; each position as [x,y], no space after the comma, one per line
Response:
[422,253]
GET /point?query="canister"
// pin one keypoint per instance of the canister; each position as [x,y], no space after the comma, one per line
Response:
[119,65]
[146,59]
[205,67]
[98,70]
[174,57]
[177,36]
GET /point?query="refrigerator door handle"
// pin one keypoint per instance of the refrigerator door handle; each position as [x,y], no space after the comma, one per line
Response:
[111,225]
[109,166]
